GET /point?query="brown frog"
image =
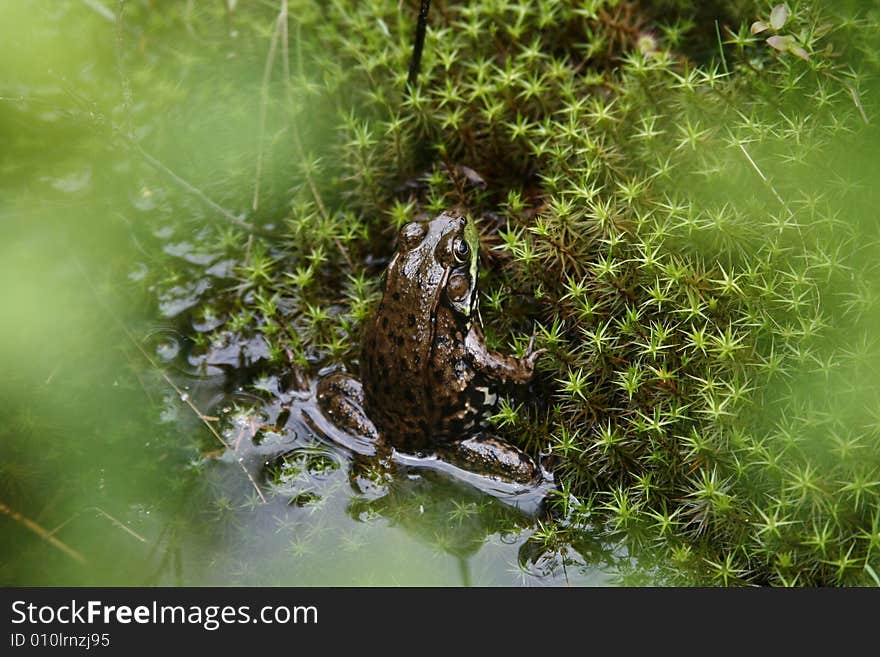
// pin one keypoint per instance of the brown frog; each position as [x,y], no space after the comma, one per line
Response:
[427,379]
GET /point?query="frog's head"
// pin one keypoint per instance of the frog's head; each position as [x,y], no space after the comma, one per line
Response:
[441,259]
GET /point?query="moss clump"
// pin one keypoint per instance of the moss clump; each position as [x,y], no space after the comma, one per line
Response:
[669,196]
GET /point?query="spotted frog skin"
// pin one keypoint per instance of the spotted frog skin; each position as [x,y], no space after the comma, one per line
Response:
[427,380]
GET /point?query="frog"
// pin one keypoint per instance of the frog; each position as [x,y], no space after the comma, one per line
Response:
[428,381]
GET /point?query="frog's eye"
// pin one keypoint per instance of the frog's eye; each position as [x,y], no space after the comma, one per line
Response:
[412,233]
[461,249]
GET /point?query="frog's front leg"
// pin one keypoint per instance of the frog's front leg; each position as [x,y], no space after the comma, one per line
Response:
[499,367]
[341,398]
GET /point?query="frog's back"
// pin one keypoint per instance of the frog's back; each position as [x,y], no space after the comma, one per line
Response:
[393,360]
[397,341]
[420,389]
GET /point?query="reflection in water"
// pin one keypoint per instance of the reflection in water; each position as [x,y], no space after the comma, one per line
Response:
[444,513]
[429,505]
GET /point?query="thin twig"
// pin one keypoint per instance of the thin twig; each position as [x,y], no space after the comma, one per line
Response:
[42,533]
[116,522]
[189,402]
[419,43]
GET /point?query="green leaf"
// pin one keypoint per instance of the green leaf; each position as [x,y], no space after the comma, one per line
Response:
[788,43]
[795,49]
[778,16]
[873,574]
[781,43]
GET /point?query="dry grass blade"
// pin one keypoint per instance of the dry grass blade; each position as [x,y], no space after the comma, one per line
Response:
[294,128]
[118,523]
[264,102]
[100,9]
[766,181]
[858,103]
[281,32]
[42,533]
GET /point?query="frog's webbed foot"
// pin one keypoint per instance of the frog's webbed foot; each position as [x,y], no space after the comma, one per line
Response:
[501,368]
[341,399]
[488,455]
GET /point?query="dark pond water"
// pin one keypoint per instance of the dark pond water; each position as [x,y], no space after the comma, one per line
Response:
[109,472]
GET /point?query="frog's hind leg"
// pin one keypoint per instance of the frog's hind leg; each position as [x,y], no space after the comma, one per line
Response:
[485,454]
[341,399]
